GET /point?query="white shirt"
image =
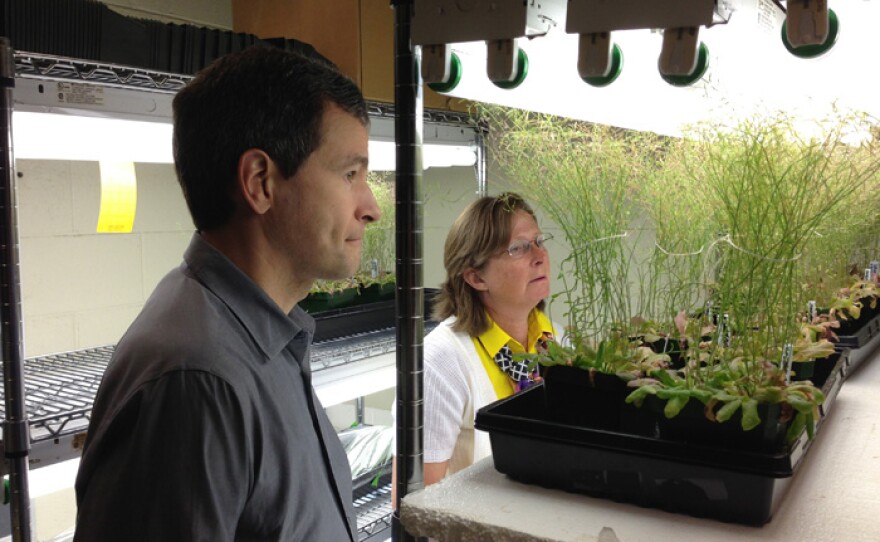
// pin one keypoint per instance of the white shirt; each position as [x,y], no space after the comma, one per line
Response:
[456,387]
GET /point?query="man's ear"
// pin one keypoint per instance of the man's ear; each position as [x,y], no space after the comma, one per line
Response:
[255,169]
[474,279]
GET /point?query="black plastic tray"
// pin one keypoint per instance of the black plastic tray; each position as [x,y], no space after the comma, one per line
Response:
[860,344]
[711,481]
[336,323]
[858,355]
[861,335]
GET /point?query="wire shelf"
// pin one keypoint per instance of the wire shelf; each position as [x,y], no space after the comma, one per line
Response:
[60,388]
[373,507]
[59,68]
[53,67]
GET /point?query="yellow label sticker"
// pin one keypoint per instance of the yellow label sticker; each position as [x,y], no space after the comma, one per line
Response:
[118,197]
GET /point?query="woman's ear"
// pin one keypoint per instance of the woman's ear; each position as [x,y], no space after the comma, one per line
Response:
[255,169]
[474,279]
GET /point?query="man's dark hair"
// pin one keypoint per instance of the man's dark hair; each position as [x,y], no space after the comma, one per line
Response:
[262,98]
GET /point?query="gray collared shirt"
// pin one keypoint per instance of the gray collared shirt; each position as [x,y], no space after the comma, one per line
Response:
[206,426]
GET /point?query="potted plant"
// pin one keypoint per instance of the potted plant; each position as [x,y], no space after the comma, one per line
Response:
[331,294]
[374,281]
[718,273]
[756,188]
[376,273]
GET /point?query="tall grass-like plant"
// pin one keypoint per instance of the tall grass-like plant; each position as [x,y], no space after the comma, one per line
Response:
[732,215]
[378,241]
[680,262]
[773,192]
[845,243]
[582,176]
[770,193]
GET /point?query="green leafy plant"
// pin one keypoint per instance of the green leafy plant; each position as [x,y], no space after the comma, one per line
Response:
[583,176]
[377,260]
[706,241]
[326,286]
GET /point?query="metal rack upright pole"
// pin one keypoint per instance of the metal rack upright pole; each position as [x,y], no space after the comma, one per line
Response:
[409,207]
[16,439]
[481,166]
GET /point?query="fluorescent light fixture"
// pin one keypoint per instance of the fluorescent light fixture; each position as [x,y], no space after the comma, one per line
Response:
[448,156]
[383,157]
[68,120]
[443,145]
[52,136]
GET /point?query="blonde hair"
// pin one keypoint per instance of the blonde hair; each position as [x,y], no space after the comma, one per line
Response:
[480,232]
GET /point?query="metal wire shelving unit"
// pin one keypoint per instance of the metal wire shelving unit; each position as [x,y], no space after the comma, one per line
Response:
[60,388]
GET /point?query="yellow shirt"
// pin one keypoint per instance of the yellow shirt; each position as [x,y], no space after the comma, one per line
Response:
[493,339]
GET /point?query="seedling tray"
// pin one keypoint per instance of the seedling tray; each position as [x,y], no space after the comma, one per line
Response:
[859,354]
[348,321]
[860,335]
[718,482]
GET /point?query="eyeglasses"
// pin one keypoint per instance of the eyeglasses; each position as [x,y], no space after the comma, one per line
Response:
[518,249]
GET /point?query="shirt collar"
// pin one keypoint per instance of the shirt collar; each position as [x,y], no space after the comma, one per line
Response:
[494,338]
[270,328]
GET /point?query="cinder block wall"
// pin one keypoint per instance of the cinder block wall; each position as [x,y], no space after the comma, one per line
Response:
[81,288]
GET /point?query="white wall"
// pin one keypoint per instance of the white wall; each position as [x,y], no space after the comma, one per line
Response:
[80,288]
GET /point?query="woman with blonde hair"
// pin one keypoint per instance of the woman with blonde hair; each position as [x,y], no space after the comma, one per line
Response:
[490,307]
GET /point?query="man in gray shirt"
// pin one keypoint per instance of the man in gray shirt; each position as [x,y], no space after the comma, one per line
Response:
[206,426]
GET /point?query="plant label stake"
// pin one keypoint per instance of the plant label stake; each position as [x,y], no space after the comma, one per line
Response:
[787,357]
[724,331]
[867,274]
[728,336]
[875,267]
[811,311]
[374,268]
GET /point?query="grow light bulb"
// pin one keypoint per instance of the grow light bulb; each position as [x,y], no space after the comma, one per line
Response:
[806,23]
[600,60]
[441,68]
[506,63]
[683,58]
